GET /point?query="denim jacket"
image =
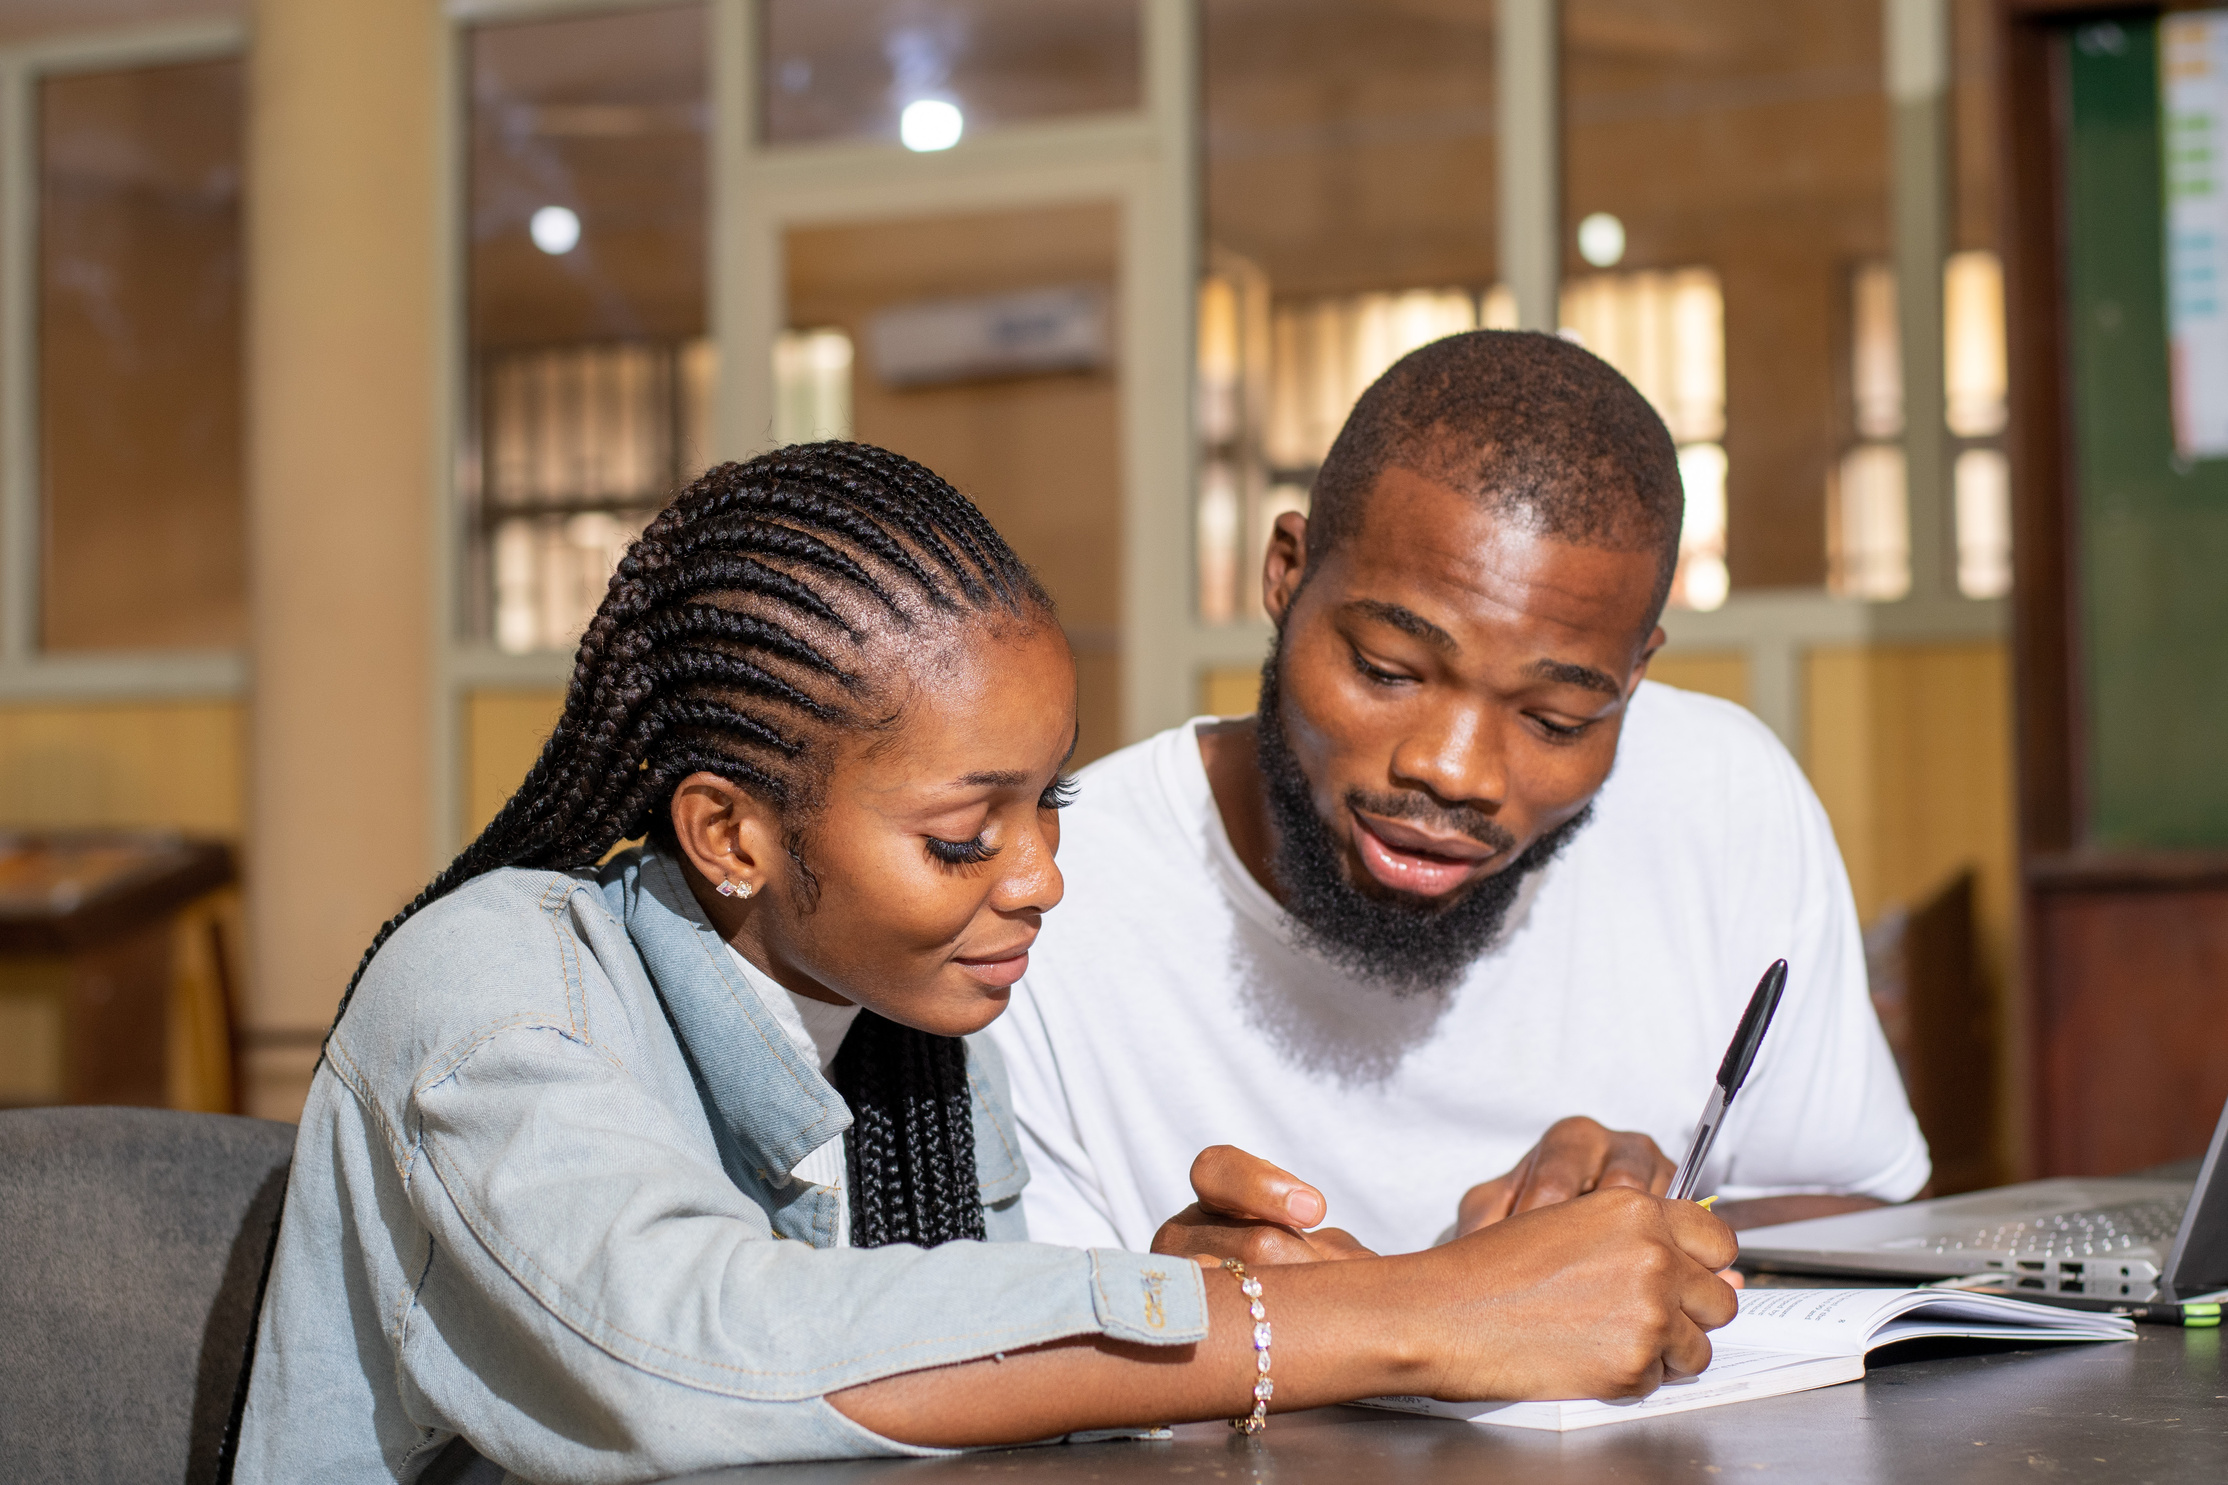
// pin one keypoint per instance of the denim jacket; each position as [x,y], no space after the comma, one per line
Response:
[541,1199]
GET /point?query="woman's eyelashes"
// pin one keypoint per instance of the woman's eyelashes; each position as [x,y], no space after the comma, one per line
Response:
[961,852]
[1058,794]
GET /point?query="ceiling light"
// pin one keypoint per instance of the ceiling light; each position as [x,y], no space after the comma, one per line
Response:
[930,124]
[555,229]
[1601,240]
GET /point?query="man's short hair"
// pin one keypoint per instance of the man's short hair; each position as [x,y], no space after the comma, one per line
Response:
[1528,424]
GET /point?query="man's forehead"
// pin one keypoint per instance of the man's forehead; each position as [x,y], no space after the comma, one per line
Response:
[1476,567]
[1446,500]
[1445,568]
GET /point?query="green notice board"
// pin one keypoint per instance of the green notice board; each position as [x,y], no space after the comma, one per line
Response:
[2151,528]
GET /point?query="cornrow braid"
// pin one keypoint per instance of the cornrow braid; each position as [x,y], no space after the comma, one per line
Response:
[912,1131]
[730,642]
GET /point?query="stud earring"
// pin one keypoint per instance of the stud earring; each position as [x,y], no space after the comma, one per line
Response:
[734,889]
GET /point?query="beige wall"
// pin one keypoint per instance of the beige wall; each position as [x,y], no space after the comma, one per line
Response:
[1909,748]
[1712,672]
[503,735]
[170,765]
[344,318]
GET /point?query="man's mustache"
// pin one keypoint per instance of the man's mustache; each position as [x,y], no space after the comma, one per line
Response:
[1423,810]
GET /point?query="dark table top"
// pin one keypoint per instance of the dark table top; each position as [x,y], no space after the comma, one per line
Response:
[60,893]
[2154,1410]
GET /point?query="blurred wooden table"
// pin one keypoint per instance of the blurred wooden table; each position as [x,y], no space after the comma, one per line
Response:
[86,961]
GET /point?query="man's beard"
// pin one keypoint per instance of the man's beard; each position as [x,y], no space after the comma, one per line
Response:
[1404,943]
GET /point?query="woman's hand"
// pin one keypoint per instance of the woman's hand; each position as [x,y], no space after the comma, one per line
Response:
[1602,1296]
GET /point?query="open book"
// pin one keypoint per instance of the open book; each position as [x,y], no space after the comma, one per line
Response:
[1791,1340]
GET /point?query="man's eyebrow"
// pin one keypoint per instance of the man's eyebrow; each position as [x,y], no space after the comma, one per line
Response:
[1563,673]
[1406,620]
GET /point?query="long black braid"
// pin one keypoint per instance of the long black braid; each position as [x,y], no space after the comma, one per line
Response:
[720,648]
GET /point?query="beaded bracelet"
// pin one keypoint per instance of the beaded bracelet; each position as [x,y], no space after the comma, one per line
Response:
[1263,1387]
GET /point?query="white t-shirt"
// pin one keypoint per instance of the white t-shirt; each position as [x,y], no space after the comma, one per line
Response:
[1168,1007]
[816,1029]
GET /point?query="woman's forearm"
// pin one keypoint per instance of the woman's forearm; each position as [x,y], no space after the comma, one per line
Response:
[1322,1353]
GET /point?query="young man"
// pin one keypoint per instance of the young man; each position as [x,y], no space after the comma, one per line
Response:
[1467,895]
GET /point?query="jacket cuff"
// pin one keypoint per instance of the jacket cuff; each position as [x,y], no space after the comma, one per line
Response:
[1148,1298]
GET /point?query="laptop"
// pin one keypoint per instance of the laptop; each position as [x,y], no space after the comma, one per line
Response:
[2126,1238]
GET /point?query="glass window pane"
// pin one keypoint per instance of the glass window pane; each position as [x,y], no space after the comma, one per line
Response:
[1973,344]
[139,359]
[1982,487]
[1868,530]
[851,69]
[1749,142]
[591,373]
[1350,181]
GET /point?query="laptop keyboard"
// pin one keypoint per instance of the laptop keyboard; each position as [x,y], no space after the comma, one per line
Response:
[2096,1232]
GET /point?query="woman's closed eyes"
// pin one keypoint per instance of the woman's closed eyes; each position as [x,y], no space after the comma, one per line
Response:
[1057,795]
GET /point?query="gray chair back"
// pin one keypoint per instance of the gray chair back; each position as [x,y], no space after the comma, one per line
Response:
[132,1245]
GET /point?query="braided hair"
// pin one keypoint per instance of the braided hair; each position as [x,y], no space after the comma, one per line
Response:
[732,642]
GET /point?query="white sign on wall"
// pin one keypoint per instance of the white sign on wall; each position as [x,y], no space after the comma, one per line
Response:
[1025,334]
[2193,51]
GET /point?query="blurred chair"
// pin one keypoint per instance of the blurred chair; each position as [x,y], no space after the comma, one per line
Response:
[1944,1027]
[132,1244]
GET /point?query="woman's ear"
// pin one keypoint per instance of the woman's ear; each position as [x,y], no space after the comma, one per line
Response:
[729,837]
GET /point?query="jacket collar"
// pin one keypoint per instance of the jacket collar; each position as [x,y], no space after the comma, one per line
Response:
[774,1105]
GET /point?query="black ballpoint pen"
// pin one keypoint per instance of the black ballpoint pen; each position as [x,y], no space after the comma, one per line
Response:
[1731,1073]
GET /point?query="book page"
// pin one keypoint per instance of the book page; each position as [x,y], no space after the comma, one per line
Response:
[1814,1322]
[1949,1313]
[1848,1322]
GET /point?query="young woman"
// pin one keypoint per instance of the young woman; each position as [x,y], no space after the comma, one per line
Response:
[689,1158]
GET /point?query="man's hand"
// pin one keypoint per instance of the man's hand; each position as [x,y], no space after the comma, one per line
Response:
[1574,1157]
[1604,1297]
[1250,1210]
